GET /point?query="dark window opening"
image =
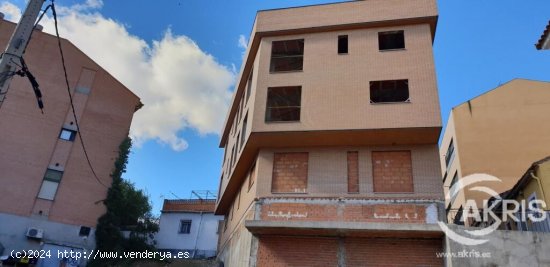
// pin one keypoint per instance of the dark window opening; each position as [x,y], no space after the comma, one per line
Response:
[283,103]
[391,40]
[342,44]
[237,143]
[449,155]
[185,227]
[84,231]
[68,135]
[389,91]
[232,160]
[249,86]
[243,130]
[287,55]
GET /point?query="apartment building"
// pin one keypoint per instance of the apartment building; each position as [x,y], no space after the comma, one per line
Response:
[330,144]
[189,225]
[498,133]
[49,197]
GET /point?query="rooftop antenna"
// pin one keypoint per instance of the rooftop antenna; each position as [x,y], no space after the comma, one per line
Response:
[175,195]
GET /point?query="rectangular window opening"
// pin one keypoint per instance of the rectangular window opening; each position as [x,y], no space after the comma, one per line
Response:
[290,171]
[390,91]
[50,183]
[243,130]
[342,44]
[391,40]
[68,135]
[287,55]
[283,103]
[185,227]
[249,85]
[450,153]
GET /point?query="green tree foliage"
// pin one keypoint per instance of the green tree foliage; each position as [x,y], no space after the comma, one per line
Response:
[128,211]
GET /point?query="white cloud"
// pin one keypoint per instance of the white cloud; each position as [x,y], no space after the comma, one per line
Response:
[11,11]
[181,86]
[243,43]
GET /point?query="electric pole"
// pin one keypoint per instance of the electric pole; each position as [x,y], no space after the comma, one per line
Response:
[16,45]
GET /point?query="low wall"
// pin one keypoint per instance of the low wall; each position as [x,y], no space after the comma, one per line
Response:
[504,248]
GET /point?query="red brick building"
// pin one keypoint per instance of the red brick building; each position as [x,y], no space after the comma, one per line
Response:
[49,197]
[331,154]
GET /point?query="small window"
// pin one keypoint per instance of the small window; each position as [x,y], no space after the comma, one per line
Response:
[450,153]
[67,134]
[391,40]
[389,91]
[225,151]
[232,157]
[243,130]
[342,44]
[50,183]
[287,55]
[84,231]
[237,143]
[185,227]
[283,103]
[249,85]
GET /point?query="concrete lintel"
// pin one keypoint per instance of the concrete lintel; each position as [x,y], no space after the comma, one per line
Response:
[359,229]
[340,200]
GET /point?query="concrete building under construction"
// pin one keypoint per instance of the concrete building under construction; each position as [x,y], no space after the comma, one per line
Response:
[331,155]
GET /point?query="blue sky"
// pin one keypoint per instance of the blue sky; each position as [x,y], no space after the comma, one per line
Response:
[478,45]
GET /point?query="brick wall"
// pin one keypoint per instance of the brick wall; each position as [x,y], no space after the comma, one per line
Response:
[392,171]
[393,252]
[289,172]
[315,251]
[353,172]
[391,213]
[297,251]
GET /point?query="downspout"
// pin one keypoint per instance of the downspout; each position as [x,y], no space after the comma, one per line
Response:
[540,185]
[197,238]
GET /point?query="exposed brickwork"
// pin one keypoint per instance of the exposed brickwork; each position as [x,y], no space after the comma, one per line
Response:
[392,171]
[290,172]
[353,172]
[188,205]
[392,213]
[297,251]
[298,212]
[393,252]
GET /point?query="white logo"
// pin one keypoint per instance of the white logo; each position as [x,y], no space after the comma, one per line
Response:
[487,215]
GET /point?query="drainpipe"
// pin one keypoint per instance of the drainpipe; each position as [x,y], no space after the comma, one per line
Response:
[197,238]
[540,185]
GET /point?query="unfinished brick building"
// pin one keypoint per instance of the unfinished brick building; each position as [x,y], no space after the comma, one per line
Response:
[331,154]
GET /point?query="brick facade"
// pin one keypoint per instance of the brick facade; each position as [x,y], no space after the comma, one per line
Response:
[362,252]
[353,172]
[392,171]
[290,172]
[297,251]
[346,212]
[302,251]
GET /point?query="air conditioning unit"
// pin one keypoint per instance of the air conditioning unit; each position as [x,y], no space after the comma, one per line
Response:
[35,233]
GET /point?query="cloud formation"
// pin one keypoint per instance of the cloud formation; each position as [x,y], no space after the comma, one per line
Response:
[181,86]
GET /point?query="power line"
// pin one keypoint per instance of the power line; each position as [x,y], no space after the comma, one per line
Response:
[70,96]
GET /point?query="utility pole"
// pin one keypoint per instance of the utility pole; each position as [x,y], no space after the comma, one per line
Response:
[16,45]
